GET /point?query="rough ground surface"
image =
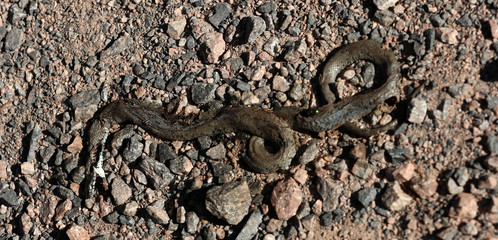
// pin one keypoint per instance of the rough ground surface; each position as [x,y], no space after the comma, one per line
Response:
[435,177]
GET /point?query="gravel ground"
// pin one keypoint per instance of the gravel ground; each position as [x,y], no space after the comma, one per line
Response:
[434,177]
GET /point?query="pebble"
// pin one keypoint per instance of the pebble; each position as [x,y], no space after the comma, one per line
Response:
[203,93]
[493,27]
[361,169]
[267,7]
[272,46]
[120,191]
[488,182]
[286,198]
[76,146]
[120,45]
[180,165]
[133,149]
[158,215]
[16,14]
[229,202]
[62,209]
[9,198]
[366,196]
[255,26]
[385,17]
[27,168]
[250,228]
[464,206]
[157,173]
[130,209]
[447,35]
[3,170]
[448,233]
[430,37]
[417,110]
[192,221]
[258,73]
[174,29]
[469,228]
[85,98]
[280,84]
[330,192]
[310,153]
[465,21]
[217,152]
[48,206]
[384,4]
[14,39]
[301,176]
[394,198]
[424,188]
[33,143]
[491,102]
[492,144]
[491,163]
[404,172]
[222,11]
[452,187]
[76,232]
[213,46]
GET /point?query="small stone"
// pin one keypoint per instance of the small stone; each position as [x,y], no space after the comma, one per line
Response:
[16,14]
[465,21]
[14,39]
[27,168]
[217,152]
[76,146]
[158,215]
[385,17]
[192,221]
[229,202]
[465,206]
[330,192]
[301,176]
[491,102]
[394,198]
[447,35]
[133,149]
[404,173]
[491,163]
[120,191]
[61,210]
[3,170]
[250,229]
[492,144]
[448,233]
[180,165]
[83,114]
[310,153]
[9,198]
[85,98]
[430,37]
[384,4]
[274,225]
[417,110]
[120,45]
[366,195]
[488,182]
[286,198]
[424,188]
[272,46]
[280,84]
[361,168]
[130,209]
[222,11]
[175,28]
[255,26]
[437,20]
[203,93]
[258,73]
[157,173]
[470,228]
[33,143]
[212,47]
[267,7]
[26,223]
[76,232]
[359,151]
[493,27]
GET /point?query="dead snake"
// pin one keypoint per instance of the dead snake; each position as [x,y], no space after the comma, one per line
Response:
[275,126]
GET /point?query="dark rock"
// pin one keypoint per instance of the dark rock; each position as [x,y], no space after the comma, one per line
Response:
[229,201]
[326,219]
[310,153]
[385,18]
[33,143]
[203,93]
[133,149]
[251,226]
[437,21]
[222,11]
[329,192]
[180,165]
[464,21]
[398,154]
[430,37]
[16,14]
[85,98]
[120,45]
[64,192]
[157,173]
[14,39]
[112,217]
[165,153]
[9,198]
[366,195]
[492,144]
[267,7]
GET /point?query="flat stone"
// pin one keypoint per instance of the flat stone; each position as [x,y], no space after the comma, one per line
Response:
[394,198]
[464,206]
[27,168]
[62,209]
[85,98]
[280,84]
[14,39]
[33,143]
[286,198]
[222,11]
[424,188]
[255,26]
[447,35]
[120,45]
[404,172]
[229,202]
[76,232]
[361,168]
[157,173]
[76,146]
[217,152]
[366,195]
[212,47]
[384,4]
[492,144]
[310,153]
[9,198]
[174,29]
[330,192]
[120,191]
[384,17]
[158,215]
[250,228]
[448,233]
[192,221]
[417,110]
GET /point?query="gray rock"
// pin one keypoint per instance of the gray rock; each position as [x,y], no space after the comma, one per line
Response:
[165,153]
[158,215]
[3,32]
[251,227]
[180,165]
[310,153]
[461,176]
[361,168]
[14,39]
[134,149]
[255,26]
[64,192]
[394,198]
[217,152]
[267,7]
[16,14]
[157,173]
[398,154]
[192,222]
[174,29]
[465,21]
[491,102]
[85,98]
[112,217]
[236,64]
[222,11]
[330,192]
[492,144]
[120,191]
[33,143]
[9,198]
[326,219]
[430,37]
[385,18]
[417,110]
[203,93]
[437,21]
[366,195]
[448,233]
[229,202]
[272,46]
[452,187]
[120,45]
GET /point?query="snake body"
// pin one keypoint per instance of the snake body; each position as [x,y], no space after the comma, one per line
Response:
[275,127]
